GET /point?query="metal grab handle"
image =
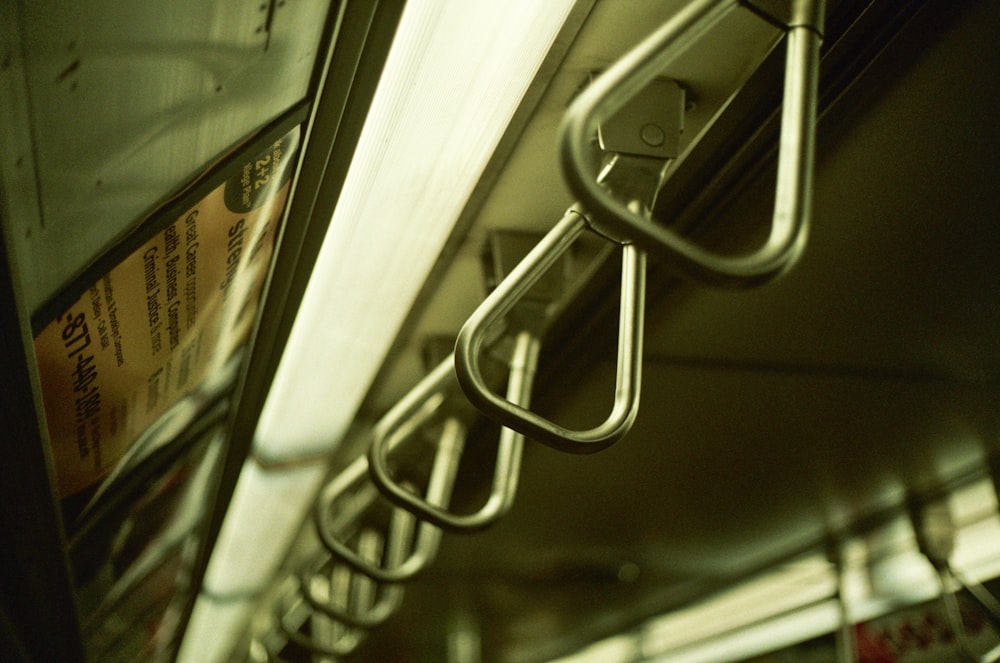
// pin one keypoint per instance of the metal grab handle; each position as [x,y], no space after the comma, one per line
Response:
[401,528]
[507,468]
[342,646]
[258,645]
[425,547]
[621,81]
[506,295]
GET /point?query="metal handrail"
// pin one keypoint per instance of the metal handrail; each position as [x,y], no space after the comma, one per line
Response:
[336,650]
[425,546]
[401,528]
[343,646]
[507,294]
[510,447]
[621,81]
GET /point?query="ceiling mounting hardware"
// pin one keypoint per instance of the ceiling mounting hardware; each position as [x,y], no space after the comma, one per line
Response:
[626,77]
[789,13]
[649,124]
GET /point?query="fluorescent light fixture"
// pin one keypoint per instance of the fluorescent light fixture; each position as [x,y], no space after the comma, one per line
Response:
[213,629]
[793,603]
[265,514]
[453,78]
[624,648]
[783,590]
[770,635]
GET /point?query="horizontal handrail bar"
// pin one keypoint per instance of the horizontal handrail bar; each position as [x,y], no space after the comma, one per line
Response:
[507,294]
[510,447]
[621,81]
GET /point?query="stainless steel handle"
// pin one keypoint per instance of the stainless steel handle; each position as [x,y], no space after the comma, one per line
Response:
[425,547]
[390,597]
[510,447]
[507,294]
[342,646]
[621,81]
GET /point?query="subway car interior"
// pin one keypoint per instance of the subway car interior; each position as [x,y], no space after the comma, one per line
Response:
[504,332]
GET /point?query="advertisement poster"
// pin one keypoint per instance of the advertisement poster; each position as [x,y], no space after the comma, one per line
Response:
[151,336]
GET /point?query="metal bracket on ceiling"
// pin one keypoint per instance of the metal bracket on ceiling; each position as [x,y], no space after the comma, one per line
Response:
[502,252]
[788,14]
[650,124]
[627,76]
[638,142]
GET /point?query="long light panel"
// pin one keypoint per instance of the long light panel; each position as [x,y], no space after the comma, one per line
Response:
[793,603]
[455,74]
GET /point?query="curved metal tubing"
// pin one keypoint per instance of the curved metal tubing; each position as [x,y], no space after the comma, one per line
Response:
[391,597]
[342,647]
[271,656]
[507,468]
[424,550]
[615,86]
[506,295]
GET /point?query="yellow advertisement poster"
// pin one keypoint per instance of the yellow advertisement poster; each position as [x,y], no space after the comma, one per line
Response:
[157,328]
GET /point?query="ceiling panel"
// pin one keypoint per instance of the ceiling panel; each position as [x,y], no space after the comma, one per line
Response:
[769,418]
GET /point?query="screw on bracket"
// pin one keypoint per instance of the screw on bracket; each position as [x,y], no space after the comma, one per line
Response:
[649,125]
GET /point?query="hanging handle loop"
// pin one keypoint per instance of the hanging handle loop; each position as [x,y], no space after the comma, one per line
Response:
[506,295]
[507,468]
[625,78]
[401,528]
[289,623]
[425,546]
